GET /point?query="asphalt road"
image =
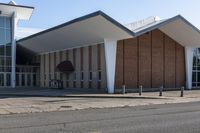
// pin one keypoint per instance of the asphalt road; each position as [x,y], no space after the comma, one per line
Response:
[171,118]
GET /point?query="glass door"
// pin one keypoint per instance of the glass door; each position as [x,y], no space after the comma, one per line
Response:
[196,69]
[2,80]
[5,79]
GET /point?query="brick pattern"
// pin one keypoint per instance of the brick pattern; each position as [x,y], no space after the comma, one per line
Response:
[180,65]
[145,60]
[170,60]
[151,60]
[130,55]
[157,58]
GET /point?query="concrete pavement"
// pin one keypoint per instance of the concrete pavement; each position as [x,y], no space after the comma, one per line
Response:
[168,118]
[10,104]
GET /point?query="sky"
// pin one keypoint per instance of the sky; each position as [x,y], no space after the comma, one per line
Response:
[49,13]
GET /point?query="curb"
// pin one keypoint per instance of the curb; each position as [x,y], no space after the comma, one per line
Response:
[79,96]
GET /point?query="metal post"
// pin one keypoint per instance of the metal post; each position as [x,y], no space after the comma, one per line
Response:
[140,90]
[182,91]
[161,90]
[123,89]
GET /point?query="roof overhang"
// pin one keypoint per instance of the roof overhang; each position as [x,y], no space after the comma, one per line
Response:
[179,29]
[87,30]
[23,12]
[183,32]
[95,27]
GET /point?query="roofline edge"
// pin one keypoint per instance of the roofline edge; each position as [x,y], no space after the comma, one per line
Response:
[23,6]
[166,22]
[94,14]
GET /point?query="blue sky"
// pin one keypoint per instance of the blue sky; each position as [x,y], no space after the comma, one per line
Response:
[50,13]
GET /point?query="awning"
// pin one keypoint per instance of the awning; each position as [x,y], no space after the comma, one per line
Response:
[65,67]
[87,30]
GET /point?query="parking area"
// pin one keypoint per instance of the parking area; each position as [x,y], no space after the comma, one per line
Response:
[46,100]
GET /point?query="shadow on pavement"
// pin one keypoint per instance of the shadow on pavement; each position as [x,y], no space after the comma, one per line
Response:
[63,93]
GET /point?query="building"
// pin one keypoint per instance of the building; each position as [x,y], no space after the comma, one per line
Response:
[10,15]
[95,51]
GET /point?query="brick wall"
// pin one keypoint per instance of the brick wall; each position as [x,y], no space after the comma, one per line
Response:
[151,60]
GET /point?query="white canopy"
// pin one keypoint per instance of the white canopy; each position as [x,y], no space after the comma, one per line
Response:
[183,32]
[178,28]
[23,12]
[95,27]
[87,30]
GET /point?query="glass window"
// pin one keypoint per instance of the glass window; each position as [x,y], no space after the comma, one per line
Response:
[8,61]
[2,60]
[17,69]
[82,76]
[90,76]
[8,36]
[8,69]
[8,79]
[1,69]
[194,84]
[8,50]
[1,79]
[2,49]
[194,77]
[99,75]
[198,68]
[198,77]
[2,21]
[34,79]
[194,61]
[23,79]
[17,79]
[2,36]
[8,22]
[29,80]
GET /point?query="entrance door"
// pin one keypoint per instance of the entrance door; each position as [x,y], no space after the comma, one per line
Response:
[2,80]
[5,79]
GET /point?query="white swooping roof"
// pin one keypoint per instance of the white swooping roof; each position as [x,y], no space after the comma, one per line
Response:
[95,27]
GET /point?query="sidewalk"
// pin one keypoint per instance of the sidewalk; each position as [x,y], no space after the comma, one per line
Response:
[45,100]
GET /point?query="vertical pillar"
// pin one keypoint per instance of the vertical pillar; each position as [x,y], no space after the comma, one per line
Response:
[188,66]
[110,58]
[13,71]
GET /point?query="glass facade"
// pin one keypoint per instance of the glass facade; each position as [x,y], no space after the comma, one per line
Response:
[5,51]
[196,69]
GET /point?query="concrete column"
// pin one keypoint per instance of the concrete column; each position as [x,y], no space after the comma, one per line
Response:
[188,66]
[110,47]
[13,71]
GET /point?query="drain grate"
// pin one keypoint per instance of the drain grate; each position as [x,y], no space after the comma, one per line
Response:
[65,106]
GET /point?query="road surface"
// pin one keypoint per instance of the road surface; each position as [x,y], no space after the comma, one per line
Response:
[171,118]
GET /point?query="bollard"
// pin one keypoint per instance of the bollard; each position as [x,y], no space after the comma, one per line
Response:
[161,90]
[182,91]
[123,89]
[140,90]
